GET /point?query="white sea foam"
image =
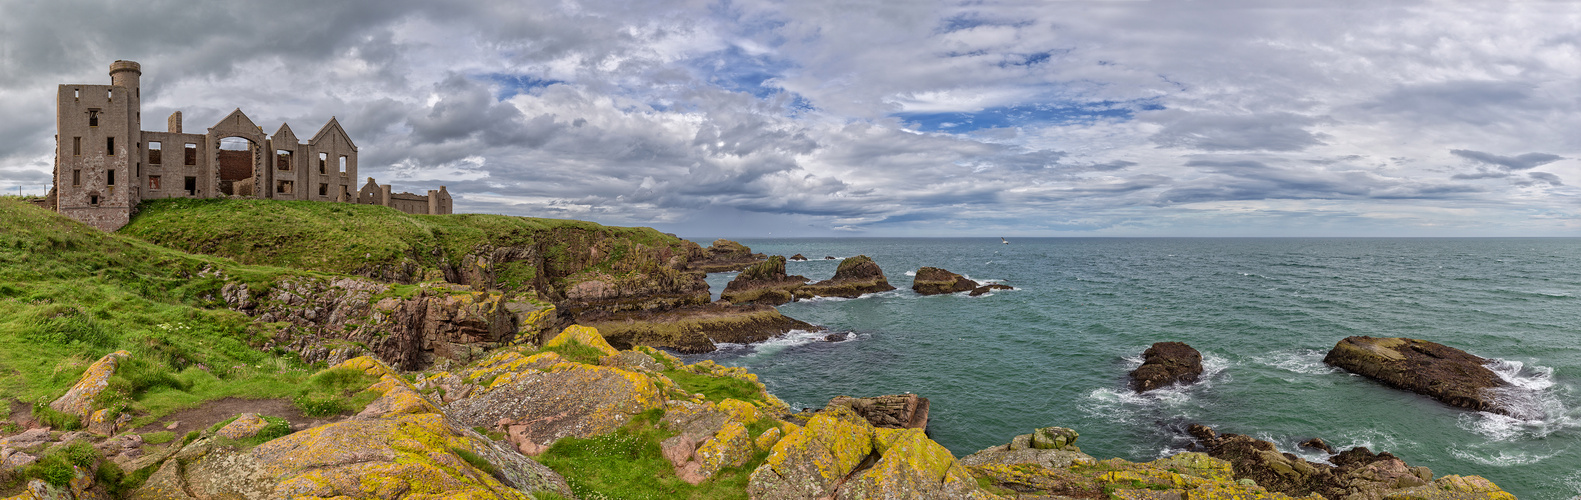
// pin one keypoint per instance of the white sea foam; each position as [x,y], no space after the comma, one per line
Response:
[1501,458]
[1301,361]
[911,273]
[1373,439]
[1122,405]
[776,344]
[1533,400]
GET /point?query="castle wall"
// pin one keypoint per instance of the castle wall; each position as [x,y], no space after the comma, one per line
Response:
[176,166]
[95,168]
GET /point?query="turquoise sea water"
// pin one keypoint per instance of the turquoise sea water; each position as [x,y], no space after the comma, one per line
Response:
[1263,312]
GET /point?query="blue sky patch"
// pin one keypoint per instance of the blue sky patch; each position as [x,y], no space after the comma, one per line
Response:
[510,85]
[1028,114]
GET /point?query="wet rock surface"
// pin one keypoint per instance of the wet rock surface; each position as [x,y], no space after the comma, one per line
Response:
[1427,368]
[1166,363]
[936,281]
[697,329]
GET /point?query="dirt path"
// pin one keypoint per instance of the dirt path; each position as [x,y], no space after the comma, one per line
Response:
[220,410]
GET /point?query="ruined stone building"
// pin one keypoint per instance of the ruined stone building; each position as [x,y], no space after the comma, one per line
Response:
[105,163]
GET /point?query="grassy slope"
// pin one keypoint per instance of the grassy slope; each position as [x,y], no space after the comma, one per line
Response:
[352,239]
[70,294]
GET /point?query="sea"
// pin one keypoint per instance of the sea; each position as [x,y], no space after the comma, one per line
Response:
[1055,351]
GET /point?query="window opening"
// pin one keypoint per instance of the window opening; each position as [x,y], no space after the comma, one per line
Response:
[76,177]
[93,200]
[192,153]
[110,180]
[342,164]
[153,183]
[283,187]
[323,189]
[76,94]
[322,159]
[153,152]
[109,146]
[191,185]
[109,95]
[282,160]
[76,146]
[93,117]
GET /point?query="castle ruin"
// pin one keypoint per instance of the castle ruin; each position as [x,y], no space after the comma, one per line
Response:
[105,163]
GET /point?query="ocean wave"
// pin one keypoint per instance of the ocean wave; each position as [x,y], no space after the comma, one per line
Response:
[1501,458]
[1122,405]
[911,273]
[1301,361]
[1533,400]
[1373,439]
[789,339]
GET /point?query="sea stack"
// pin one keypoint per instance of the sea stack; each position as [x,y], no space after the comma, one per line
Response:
[1166,363]
[1427,368]
[935,281]
[855,276]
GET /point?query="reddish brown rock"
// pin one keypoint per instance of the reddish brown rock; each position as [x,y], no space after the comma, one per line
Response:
[895,411]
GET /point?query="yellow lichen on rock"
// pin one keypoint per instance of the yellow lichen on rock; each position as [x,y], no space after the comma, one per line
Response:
[1453,487]
[810,462]
[768,438]
[739,411]
[729,447]
[584,335]
[911,466]
[79,399]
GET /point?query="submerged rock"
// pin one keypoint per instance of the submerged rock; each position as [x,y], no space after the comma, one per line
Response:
[1166,363]
[855,276]
[1431,369]
[936,281]
[989,288]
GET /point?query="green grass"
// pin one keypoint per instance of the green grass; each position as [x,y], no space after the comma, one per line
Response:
[69,294]
[713,388]
[480,463]
[367,239]
[578,352]
[55,465]
[627,464]
[159,437]
[335,391]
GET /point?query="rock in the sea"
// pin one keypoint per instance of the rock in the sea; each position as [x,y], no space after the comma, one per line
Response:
[935,281]
[79,399]
[724,255]
[763,283]
[895,411]
[1431,369]
[989,288]
[695,329]
[837,337]
[1318,444]
[1356,473]
[798,258]
[828,257]
[855,276]
[1166,363]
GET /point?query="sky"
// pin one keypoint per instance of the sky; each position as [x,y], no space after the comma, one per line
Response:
[874,118]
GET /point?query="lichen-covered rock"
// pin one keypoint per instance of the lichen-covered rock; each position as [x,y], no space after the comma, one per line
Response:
[730,447]
[245,426]
[571,399]
[723,255]
[911,467]
[1431,369]
[79,399]
[632,360]
[101,423]
[895,411]
[936,281]
[583,335]
[1453,487]
[811,462]
[855,276]
[1021,450]
[1053,438]
[1166,363]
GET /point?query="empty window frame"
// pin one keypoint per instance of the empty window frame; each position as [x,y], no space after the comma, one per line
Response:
[282,160]
[154,150]
[109,180]
[153,183]
[76,94]
[342,164]
[323,189]
[93,199]
[323,158]
[76,177]
[192,153]
[191,186]
[76,146]
[109,95]
[283,187]
[109,146]
[93,117]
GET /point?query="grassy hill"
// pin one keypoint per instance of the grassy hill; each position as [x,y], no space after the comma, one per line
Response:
[70,294]
[384,243]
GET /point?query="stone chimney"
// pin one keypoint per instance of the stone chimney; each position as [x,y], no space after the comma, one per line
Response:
[174,125]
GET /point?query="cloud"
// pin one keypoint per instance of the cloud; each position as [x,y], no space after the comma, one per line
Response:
[1278,131]
[1521,162]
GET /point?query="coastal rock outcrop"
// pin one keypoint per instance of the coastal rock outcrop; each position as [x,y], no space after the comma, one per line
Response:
[763,283]
[723,255]
[855,276]
[1427,368]
[1166,363]
[894,411]
[936,281]
[825,459]
[696,329]
[798,258]
[79,400]
[1356,473]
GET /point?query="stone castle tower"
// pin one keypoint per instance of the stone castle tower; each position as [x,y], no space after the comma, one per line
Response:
[105,163]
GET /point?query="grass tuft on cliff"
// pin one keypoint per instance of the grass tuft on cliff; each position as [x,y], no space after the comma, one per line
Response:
[628,463]
[373,240]
[69,294]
